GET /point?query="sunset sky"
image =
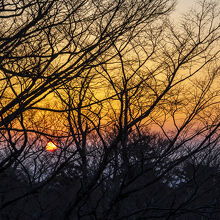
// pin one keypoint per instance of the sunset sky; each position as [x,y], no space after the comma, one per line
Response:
[109,109]
[183,5]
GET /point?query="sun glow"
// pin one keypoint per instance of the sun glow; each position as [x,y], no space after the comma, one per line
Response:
[51,146]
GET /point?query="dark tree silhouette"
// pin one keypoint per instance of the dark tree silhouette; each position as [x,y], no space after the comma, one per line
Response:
[129,96]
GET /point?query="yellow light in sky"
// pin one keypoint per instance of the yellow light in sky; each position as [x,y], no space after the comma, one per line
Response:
[51,146]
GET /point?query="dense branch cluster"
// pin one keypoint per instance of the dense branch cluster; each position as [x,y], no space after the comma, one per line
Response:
[128,95]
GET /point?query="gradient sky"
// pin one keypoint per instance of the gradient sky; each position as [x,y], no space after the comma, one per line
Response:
[183,5]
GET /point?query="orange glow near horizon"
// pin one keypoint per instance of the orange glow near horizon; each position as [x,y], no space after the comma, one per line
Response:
[51,146]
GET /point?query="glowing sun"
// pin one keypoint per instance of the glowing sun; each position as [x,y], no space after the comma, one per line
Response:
[51,146]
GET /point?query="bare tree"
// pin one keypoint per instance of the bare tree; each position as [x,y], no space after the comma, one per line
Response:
[129,96]
[46,44]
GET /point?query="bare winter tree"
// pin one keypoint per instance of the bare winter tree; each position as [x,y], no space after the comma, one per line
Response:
[129,96]
[46,44]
